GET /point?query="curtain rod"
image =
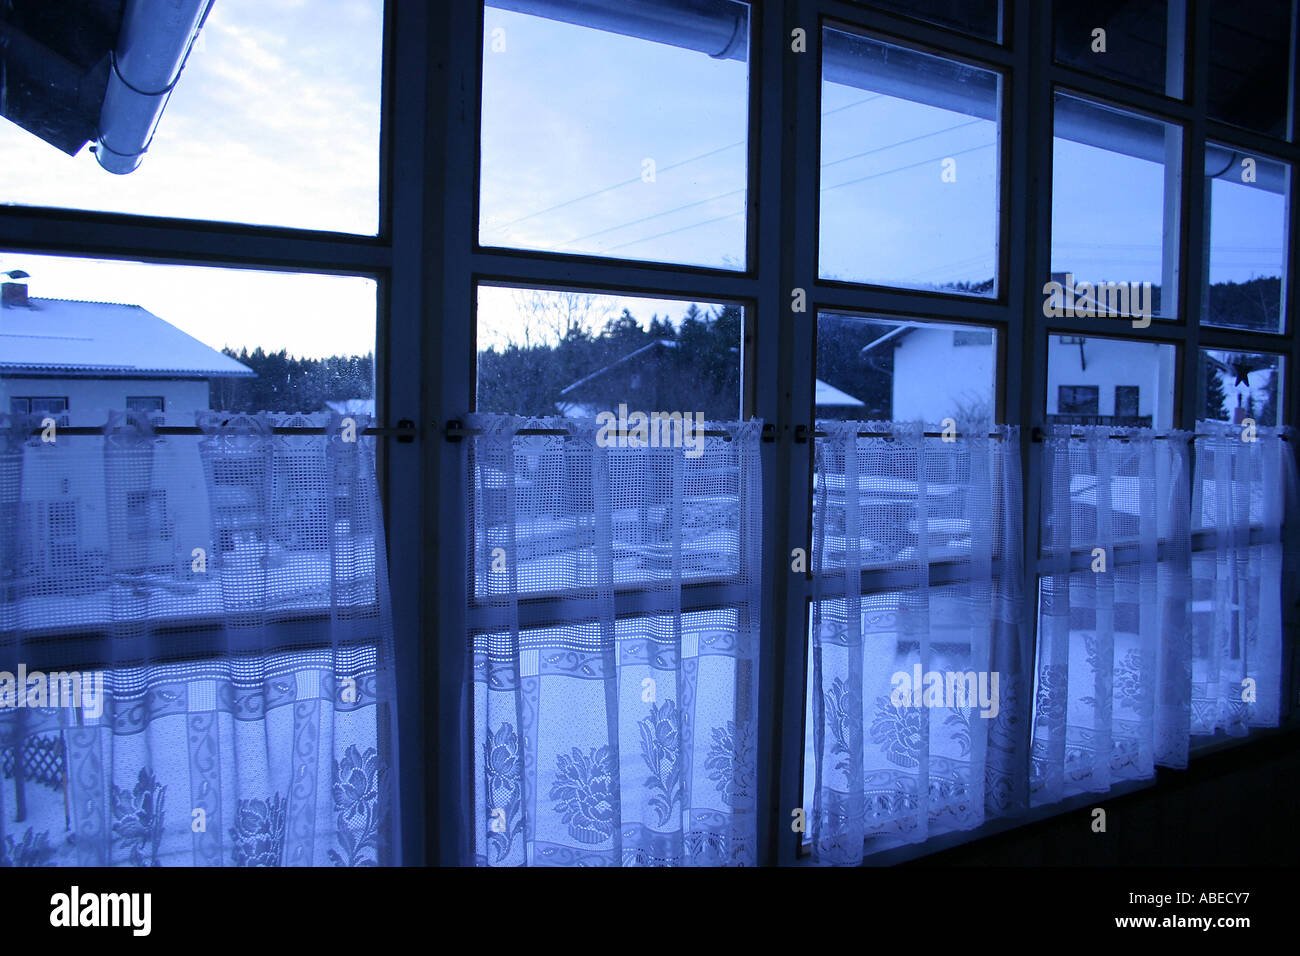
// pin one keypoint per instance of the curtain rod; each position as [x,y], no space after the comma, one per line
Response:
[1039,436]
[404,430]
[456,430]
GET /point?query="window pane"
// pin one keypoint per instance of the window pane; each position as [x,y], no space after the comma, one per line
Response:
[1115,200]
[177,340]
[617,132]
[274,121]
[1099,381]
[544,353]
[1248,199]
[909,168]
[881,369]
[1250,60]
[1235,386]
[981,18]
[1132,48]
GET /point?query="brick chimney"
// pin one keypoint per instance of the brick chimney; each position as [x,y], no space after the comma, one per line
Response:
[15,295]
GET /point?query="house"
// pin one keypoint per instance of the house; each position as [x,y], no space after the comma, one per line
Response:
[964,389]
[76,359]
[1090,380]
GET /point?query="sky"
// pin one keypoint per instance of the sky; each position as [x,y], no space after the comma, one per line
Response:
[591,143]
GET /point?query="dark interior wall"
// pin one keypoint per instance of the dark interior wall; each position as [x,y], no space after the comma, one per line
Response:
[1239,806]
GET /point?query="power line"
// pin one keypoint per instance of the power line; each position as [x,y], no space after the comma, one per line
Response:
[677,165]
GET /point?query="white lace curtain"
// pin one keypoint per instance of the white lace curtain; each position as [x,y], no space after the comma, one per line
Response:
[901,754]
[614,635]
[1240,497]
[1161,597]
[228,592]
[1114,647]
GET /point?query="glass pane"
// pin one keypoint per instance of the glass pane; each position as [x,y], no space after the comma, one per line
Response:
[274,120]
[1100,381]
[617,132]
[1130,47]
[176,340]
[1235,386]
[544,353]
[982,18]
[1250,61]
[872,369]
[909,168]
[1247,208]
[1115,202]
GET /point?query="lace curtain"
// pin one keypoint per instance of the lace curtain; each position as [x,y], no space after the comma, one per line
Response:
[1114,648]
[614,635]
[918,683]
[1240,499]
[196,658]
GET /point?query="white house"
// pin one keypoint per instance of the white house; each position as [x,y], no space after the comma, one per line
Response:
[941,372]
[1101,381]
[76,360]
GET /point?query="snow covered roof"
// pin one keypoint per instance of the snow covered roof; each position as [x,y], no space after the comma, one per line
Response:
[827,394]
[99,339]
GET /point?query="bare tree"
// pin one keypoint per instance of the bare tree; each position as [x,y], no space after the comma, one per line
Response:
[547,316]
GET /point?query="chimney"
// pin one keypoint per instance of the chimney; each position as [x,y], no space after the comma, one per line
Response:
[15,295]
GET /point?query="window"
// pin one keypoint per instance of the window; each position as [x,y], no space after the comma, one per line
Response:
[1136,43]
[1126,401]
[546,353]
[641,171]
[1250,60]
[1115,190]
[273,119]
[1077,400]
[872,368]
[1236,386]
[1247,201]
[176,341]
[910,149]
[145,403]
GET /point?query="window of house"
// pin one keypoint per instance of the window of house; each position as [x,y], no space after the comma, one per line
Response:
[1126,401]
[145,403]
[1077,400]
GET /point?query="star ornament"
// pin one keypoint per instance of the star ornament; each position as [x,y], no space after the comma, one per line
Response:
[1240,368]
